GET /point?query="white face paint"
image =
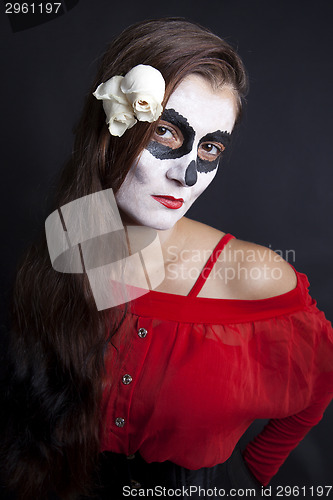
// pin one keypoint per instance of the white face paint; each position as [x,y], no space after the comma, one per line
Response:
[182,158]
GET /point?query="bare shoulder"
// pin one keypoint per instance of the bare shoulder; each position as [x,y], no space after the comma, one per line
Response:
[199,235]
[243,270]
[248,271]
[186,253]
[266,273]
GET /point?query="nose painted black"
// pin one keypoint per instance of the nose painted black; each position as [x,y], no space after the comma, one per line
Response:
[191,175]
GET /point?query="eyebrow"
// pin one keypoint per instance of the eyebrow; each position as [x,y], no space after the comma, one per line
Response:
[217,136]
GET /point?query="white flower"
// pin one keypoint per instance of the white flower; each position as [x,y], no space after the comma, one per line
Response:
[138,94]
[119,113]
[119,117]
[144,88]
[111,91]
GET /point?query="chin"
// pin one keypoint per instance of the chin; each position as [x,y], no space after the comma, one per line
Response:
[163,226]
[154,222]
[158,224]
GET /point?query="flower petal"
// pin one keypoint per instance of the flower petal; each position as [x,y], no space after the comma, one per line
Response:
[111,90]
[117,128]
[119,117]
[150,114]
[138,94]
[144,78]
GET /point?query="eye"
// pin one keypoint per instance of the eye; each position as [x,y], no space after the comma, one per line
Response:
[163,132]
[168,135]
[210,150]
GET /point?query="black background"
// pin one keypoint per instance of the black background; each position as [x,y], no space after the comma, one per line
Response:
[275,187]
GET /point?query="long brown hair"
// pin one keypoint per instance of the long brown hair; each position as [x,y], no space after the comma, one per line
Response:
[51,417]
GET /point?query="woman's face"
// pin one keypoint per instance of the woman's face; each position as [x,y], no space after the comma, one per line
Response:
[183,156]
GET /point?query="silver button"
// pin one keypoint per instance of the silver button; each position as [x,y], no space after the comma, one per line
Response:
[120,422]
[142,333]
[127,379]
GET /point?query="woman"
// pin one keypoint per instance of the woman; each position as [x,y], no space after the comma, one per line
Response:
[166,384]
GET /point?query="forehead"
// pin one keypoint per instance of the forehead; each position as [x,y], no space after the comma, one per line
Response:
[205,108]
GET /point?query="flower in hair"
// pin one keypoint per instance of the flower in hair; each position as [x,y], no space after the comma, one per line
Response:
[136,96]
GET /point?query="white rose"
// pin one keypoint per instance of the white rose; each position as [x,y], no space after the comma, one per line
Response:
[119,117]
[144,88]
[111,91]
[138,94]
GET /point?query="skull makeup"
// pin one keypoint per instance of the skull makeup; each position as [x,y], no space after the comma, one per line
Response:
[183,156]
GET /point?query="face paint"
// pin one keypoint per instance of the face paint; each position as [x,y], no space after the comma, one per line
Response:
[183,156]
[218,136]
[191,174]
[163,152]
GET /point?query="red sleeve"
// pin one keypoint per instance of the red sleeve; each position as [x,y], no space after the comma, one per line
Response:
[267,452]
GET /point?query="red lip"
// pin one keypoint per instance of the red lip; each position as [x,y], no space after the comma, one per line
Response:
[169,201]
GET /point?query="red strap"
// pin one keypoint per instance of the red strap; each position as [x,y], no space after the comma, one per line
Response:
[209,265]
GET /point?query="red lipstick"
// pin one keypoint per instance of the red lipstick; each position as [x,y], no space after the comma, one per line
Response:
[169,201]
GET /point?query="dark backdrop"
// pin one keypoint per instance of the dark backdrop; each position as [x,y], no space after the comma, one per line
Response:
[276,186]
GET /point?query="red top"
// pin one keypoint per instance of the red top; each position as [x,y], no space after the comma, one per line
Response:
[199,371]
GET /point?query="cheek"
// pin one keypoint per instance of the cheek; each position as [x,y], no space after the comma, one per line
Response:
[204,179]
[161,151]
[146,170]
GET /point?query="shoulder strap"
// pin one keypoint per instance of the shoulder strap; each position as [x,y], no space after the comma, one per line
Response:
[209,265]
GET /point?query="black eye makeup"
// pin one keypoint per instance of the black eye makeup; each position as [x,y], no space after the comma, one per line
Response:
[168,135]
[209,158]
[174,138]
[164,151]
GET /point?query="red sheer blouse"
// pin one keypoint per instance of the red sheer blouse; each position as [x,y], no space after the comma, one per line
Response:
[186,376]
